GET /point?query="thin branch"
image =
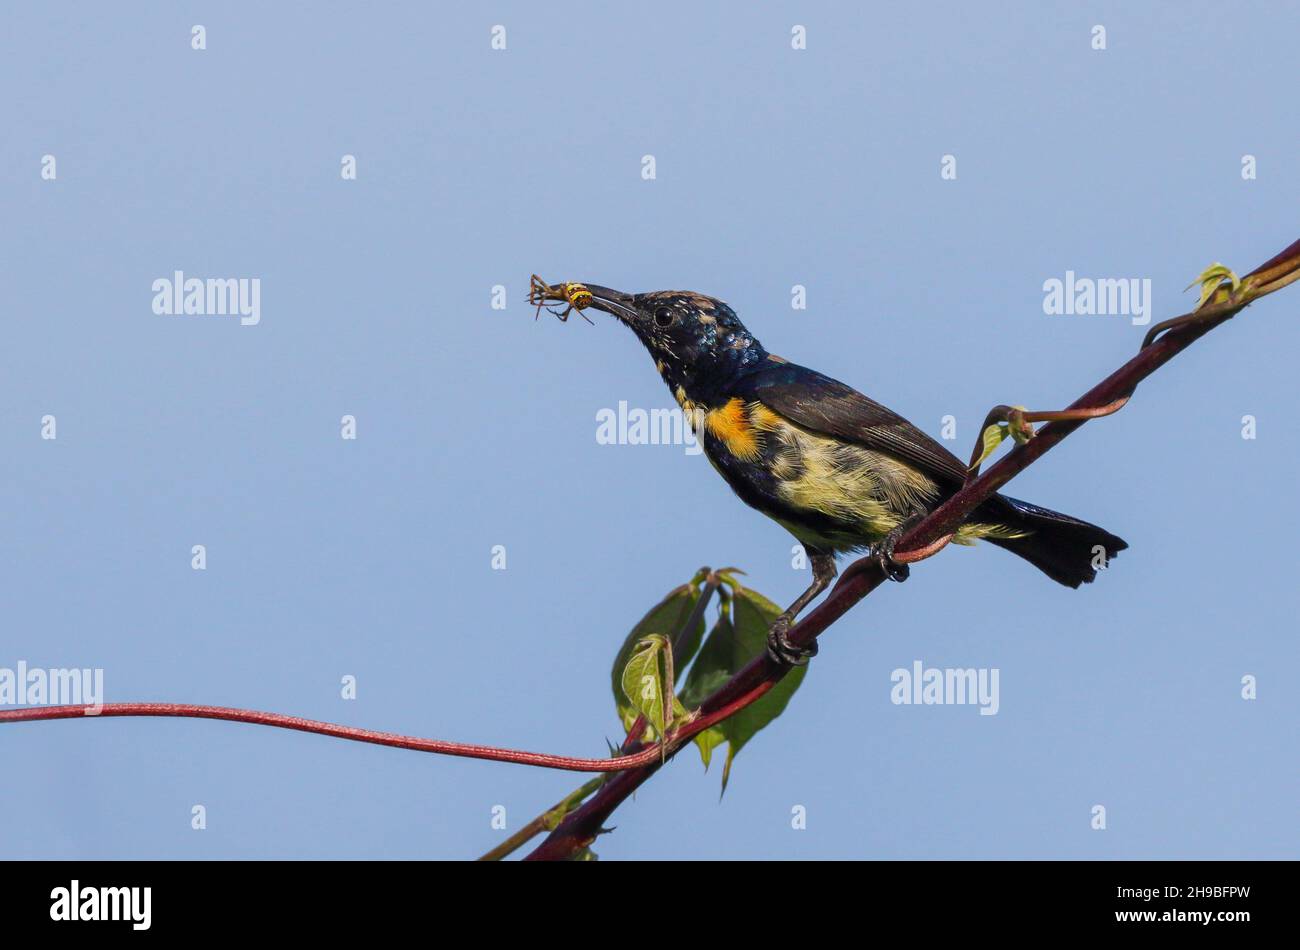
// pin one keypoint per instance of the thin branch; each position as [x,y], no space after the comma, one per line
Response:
[254,717]
[413,743]
[546,820]
[580,827]
[712,580]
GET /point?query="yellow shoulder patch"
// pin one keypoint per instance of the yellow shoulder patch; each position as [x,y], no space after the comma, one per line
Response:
[732,425]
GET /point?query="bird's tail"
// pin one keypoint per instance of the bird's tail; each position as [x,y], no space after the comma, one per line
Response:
[1064,548]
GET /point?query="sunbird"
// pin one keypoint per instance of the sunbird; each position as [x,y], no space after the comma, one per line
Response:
[838,470]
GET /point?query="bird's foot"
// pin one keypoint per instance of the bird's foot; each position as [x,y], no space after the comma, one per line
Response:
[781,650]
[884,550]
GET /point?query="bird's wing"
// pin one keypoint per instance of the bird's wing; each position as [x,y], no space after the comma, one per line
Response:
[827,406]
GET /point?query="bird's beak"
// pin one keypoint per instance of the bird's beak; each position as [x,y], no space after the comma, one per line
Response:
[612,301]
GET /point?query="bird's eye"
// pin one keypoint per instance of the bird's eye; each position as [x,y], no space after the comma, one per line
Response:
[664,317]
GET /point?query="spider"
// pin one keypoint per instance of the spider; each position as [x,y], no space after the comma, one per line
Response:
[576,296]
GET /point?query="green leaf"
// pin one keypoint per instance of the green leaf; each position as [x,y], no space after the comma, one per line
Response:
[716,662]
[665,618]
[707,741]
[627,715]
[708,680]
[1211,279]
[754,615]
[643,681]
[990,440]
[730,645]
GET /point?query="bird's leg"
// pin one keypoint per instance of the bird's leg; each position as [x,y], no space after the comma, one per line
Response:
[884,549]
[779,647]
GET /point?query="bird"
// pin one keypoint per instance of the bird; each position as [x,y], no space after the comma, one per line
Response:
[838,470]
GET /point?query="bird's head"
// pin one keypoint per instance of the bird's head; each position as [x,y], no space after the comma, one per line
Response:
[695,341]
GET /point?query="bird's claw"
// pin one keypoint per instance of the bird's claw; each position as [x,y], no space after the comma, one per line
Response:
[884,550]
[781,650]
[894,570]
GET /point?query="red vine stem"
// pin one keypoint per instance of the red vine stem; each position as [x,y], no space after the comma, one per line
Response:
[280,721]
[412,743]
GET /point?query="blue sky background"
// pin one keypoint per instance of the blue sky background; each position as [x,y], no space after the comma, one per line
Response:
[477,427]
